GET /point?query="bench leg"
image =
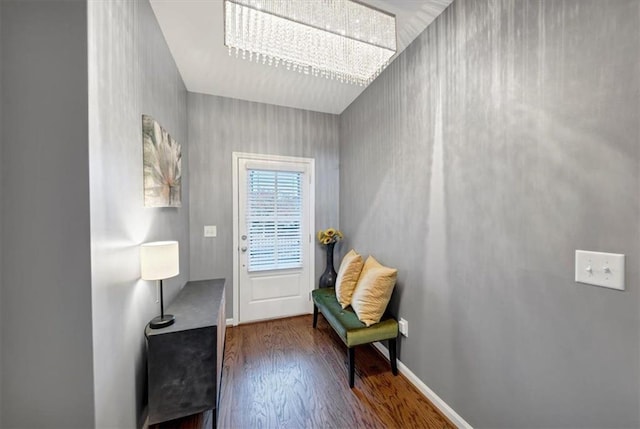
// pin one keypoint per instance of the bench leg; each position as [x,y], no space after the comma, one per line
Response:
[352,359]
[315,315]
[392,356]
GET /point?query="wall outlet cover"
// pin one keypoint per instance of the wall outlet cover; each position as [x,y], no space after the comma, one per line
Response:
[403,327]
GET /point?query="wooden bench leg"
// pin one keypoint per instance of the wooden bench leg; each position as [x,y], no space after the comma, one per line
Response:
[352,359]
[315,315]
[392,356]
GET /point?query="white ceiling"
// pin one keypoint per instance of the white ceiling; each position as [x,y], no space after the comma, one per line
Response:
[194,32]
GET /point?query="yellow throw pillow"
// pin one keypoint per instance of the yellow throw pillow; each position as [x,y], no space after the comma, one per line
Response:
[373,291]
[348,274]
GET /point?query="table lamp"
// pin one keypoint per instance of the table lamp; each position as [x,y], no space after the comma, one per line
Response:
[160,260]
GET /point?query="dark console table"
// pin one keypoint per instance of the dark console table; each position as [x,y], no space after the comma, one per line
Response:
[184,360]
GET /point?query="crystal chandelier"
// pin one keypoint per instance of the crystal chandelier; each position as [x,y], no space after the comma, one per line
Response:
[336,39]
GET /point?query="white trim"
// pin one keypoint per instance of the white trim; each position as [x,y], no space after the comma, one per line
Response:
[234,182]
[230,321]
[311,162]
[277,165]
[426,391]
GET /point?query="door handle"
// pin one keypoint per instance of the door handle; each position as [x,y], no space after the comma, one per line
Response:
[243,248]
[244,237]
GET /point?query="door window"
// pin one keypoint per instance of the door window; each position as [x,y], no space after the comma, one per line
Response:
[274,219]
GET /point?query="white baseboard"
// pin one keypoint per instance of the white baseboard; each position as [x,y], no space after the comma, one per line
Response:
[426,391]
[230,322]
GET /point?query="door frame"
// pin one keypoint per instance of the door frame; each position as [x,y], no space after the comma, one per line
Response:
[235,159]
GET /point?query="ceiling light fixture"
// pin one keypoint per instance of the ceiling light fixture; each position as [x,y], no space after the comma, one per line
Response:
[336,39]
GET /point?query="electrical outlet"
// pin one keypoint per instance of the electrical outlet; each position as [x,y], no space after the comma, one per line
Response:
[403,325]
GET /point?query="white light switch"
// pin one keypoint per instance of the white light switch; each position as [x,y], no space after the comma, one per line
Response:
[210,231]
[600,269]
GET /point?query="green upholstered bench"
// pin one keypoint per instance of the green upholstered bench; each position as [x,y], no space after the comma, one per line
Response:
[351,330]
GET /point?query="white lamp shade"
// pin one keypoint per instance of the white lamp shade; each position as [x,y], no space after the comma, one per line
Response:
[159,260]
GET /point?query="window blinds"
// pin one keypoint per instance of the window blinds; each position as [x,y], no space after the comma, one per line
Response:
[274,219]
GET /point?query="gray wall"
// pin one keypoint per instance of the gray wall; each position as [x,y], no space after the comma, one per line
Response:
[46,269]
[131,72]
[220,126]
[1,199]
[504,138]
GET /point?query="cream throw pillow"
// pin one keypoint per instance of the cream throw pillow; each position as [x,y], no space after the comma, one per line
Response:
[373,291]
[348,274]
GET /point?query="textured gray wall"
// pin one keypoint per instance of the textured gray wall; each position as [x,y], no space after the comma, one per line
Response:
[504,138]
[131,72]
[46,277]
[218,127]
[1,204]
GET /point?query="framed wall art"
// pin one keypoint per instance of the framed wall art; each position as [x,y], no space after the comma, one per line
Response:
[162,166]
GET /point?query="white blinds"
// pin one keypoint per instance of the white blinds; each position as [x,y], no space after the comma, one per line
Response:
[274,219]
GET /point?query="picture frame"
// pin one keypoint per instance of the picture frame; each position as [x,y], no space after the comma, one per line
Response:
[162,166]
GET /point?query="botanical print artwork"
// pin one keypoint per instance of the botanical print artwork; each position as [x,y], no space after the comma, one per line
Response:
[162,157]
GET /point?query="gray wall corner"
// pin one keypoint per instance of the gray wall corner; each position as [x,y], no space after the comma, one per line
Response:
[131,73]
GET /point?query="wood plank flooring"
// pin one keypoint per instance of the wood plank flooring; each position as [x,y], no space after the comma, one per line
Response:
[285,374]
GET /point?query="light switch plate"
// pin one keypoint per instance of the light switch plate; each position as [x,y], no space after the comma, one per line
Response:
[210,231]
[600,269]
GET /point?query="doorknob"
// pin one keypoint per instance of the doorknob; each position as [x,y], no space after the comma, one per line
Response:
[244,237]
[243,248]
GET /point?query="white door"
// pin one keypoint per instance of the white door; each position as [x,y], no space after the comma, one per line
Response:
[274,245]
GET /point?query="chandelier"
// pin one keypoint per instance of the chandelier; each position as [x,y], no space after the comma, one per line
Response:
[336,39]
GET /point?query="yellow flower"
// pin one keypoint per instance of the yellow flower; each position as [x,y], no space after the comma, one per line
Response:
[328,236]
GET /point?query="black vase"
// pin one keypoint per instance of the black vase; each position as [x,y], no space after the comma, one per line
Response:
[328,278]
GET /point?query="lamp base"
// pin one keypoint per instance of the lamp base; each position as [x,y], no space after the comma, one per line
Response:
[162,321]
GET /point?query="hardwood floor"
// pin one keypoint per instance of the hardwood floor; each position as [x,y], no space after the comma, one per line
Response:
[285,374]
